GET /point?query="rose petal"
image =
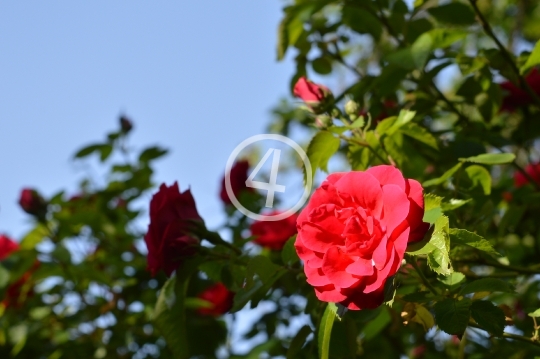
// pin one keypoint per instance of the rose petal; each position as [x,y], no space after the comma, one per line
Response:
[318,239]
[364,189]
[388,175]
[396,207]
[378,279]
[416,211]
[358,300]
[316,277]
[329,293]
[335,262]
[361,267]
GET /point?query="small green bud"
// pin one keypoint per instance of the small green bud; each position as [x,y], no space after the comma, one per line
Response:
[352,108]
[323,121]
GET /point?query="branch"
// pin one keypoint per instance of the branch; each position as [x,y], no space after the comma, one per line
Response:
[507,56]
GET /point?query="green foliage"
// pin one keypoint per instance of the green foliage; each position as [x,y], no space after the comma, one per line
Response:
[320,149]
[452,315]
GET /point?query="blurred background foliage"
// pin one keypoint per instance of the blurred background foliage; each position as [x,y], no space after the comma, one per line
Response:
[464,71]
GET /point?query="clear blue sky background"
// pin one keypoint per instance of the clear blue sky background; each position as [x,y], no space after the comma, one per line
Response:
[196,76]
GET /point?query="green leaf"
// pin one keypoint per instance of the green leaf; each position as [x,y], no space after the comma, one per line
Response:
[105,152]
[420,134]
[88,150]
[491,158]
[488,316]
[298,342]
[452,279]
[414,57]
[152,153]
[480,176]
[362,21]
[4,277]
[320,149]
[443,178]
[34,237]
[404,117]
[443,38]
[533,59]
[462,236]
[322,65]
[487,285]
[454,204]
[452,315]
[288,253]
[439,259]
[325,330]
[432,208]
[261,274]
[169,313]
[535,314]
[375,326]
[455,13]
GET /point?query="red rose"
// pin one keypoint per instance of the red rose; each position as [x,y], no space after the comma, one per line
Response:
[238,175]
[169,238]
[516,97]
[14,291]
[353,233]
[533,170]
[220,297]
[274,234]
[311,93]
[32,202]
[7,246]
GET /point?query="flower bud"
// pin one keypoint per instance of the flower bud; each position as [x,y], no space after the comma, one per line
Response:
[352,108]
[32,203]
[125,124]
[323,121]
[315,96]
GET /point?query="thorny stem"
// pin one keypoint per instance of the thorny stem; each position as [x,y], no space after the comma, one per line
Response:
[507,56]
[363,144]
[521,338]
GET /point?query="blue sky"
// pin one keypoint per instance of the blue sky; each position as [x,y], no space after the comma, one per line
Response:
[198,77]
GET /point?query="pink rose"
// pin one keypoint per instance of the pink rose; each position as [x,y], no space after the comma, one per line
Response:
[353,233]
[311,93]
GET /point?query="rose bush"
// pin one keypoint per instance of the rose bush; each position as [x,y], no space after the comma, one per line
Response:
[170,237]
[353,233]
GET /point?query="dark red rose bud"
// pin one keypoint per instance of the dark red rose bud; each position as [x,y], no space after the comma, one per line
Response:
[171,233]
[125,124]
[238,175]
[312,94]
[274,234]
[32,202]
[7,246]
[515,97]
[20,290]
[220,297]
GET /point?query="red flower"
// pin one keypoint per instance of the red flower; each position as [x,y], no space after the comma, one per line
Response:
[14,291]
[516,97]
[220,297]
[311,93]
[169,238]
[533,170]
[32,202]
[274,234]
[7,246]
[353,233]
[238,176]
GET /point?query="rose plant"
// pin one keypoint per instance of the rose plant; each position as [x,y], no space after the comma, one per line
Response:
[421,235]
